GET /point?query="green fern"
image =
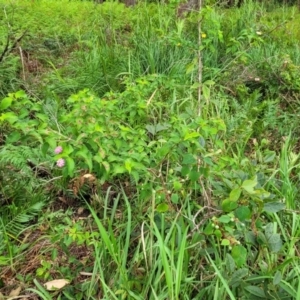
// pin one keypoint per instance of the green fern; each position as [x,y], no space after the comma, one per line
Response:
[21,197]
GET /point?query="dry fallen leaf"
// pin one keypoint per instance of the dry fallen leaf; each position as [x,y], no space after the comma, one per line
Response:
[15,292]
[56,284]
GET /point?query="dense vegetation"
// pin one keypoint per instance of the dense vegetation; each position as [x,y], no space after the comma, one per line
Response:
[145,155]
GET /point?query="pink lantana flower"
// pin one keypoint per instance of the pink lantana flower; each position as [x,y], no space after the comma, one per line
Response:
[60,163]
[58,150]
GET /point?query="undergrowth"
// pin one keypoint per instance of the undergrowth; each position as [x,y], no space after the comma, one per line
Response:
[113,186]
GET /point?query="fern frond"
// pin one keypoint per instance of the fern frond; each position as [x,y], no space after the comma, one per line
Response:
[15,218]
[18,156]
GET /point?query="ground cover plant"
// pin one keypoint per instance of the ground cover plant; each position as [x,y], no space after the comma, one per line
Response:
[149,155]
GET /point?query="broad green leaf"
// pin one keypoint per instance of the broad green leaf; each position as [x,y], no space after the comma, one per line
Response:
[10,117]
[45,148]
[228,205]
[275,242]
[239,254]
[256,291]
[13,137]
[243,213]
[175,198]
[277,278]
[225,242]
[237,277]
[235,194]
[249,185]
[206,91]
[70,166]
[274,207]
[5,103]
[177,185]
[119,169]
[162,207]
[194,175]
[87,158]
[188,159]
[209,229]
[269,156]
[20,94]
[218,233]
[128,165]
[230,264]
[191,135]
[224,219]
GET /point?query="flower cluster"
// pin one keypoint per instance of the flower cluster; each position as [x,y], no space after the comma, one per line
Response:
[60,162]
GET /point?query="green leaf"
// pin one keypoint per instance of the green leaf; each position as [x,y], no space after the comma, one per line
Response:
[239,254]
[256,291]
[224,219]
[225,242]
[5,103]
[275,242]
[13,137]
[274,207]
[10,117]
[177,185]
[206,91]
[191,135]
[243,213]
[194,175]
[209,229]
[162,207]
[277,278]
[70,166]
[273,239]
[20,94]
[237,277]
[128,165]
[87,158]
[45,148]
[269,156]
[218,233]
[230,264]
[228,205]
[235,194]
[175,198]
[249,185]
[188,159]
